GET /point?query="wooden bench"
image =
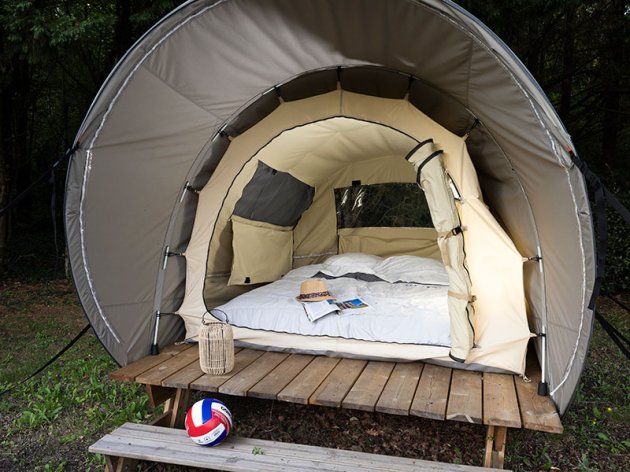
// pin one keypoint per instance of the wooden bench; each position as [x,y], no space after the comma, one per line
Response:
[172,446]
[499,401]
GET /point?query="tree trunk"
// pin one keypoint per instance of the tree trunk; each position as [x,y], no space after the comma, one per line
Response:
[568,63]
[612,67]
[122,31]
[4,181]
[5,109]
[15,88]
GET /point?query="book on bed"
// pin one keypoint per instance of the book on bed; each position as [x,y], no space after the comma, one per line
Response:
[317,310]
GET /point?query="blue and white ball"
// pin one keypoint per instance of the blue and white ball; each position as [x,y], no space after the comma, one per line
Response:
[208,422]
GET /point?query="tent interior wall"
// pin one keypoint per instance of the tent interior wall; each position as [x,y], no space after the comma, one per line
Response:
[335,152]
[210,74]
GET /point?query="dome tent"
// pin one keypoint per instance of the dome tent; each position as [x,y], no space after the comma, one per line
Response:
[210,71]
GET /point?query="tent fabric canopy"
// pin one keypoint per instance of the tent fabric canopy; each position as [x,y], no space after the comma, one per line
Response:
[211,70]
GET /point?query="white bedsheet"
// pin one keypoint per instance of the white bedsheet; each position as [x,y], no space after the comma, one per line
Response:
[410,313]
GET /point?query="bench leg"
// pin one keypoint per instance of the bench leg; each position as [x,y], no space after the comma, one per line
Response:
[158,395]
[495,447]
[120,464]
[176,402]
[178,406]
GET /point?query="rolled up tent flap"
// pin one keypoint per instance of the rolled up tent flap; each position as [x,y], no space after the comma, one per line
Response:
[432,177]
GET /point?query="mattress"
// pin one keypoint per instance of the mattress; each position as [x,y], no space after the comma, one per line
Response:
[406,298]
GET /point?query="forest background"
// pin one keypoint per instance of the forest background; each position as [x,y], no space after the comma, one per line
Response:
[55,54]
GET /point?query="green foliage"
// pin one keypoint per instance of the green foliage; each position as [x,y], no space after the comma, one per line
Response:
[69,405]
[81,389]
[618,253]
[584,466]
[54,56]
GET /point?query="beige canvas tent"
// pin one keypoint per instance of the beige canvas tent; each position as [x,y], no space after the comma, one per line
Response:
[209,160]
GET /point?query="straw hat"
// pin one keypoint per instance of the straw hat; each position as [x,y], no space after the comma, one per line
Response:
[314,290]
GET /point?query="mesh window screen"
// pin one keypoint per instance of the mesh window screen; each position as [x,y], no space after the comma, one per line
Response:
[382,205]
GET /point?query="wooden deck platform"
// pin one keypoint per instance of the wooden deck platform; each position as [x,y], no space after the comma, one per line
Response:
[499,401]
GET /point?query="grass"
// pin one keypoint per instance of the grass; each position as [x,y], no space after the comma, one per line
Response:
[48,423]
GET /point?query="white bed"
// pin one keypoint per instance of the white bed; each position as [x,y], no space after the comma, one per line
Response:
[406,297]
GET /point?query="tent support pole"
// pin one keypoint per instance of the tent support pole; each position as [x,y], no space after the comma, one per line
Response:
[543,387]
[155,349]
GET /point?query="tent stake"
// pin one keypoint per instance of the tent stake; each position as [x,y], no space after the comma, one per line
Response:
[155,349]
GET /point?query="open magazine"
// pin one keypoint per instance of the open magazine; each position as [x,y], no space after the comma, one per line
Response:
[317,310]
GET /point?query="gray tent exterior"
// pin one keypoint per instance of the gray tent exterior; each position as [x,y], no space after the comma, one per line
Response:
[211,70]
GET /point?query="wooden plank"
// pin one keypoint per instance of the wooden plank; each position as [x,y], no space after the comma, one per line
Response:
[240,383]
[335,387]
[157,374]
[398,393]
[306,382]
[131,371]
[432,393]
[270,385]
[537,412]
[465,399]
[368,388]
[211,383]
[500,406]
[152,443]
[184,377]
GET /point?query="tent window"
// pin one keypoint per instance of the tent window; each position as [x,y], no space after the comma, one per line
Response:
[382,205]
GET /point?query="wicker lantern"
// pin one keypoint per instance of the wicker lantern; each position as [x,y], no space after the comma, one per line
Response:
[216,347]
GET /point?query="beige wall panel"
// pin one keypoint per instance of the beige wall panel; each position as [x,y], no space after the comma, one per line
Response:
[386,242]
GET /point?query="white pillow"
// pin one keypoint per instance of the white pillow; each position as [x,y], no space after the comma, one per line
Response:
[350,263]
[412,269]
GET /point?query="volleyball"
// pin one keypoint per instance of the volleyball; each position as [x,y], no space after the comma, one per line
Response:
[208,422]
